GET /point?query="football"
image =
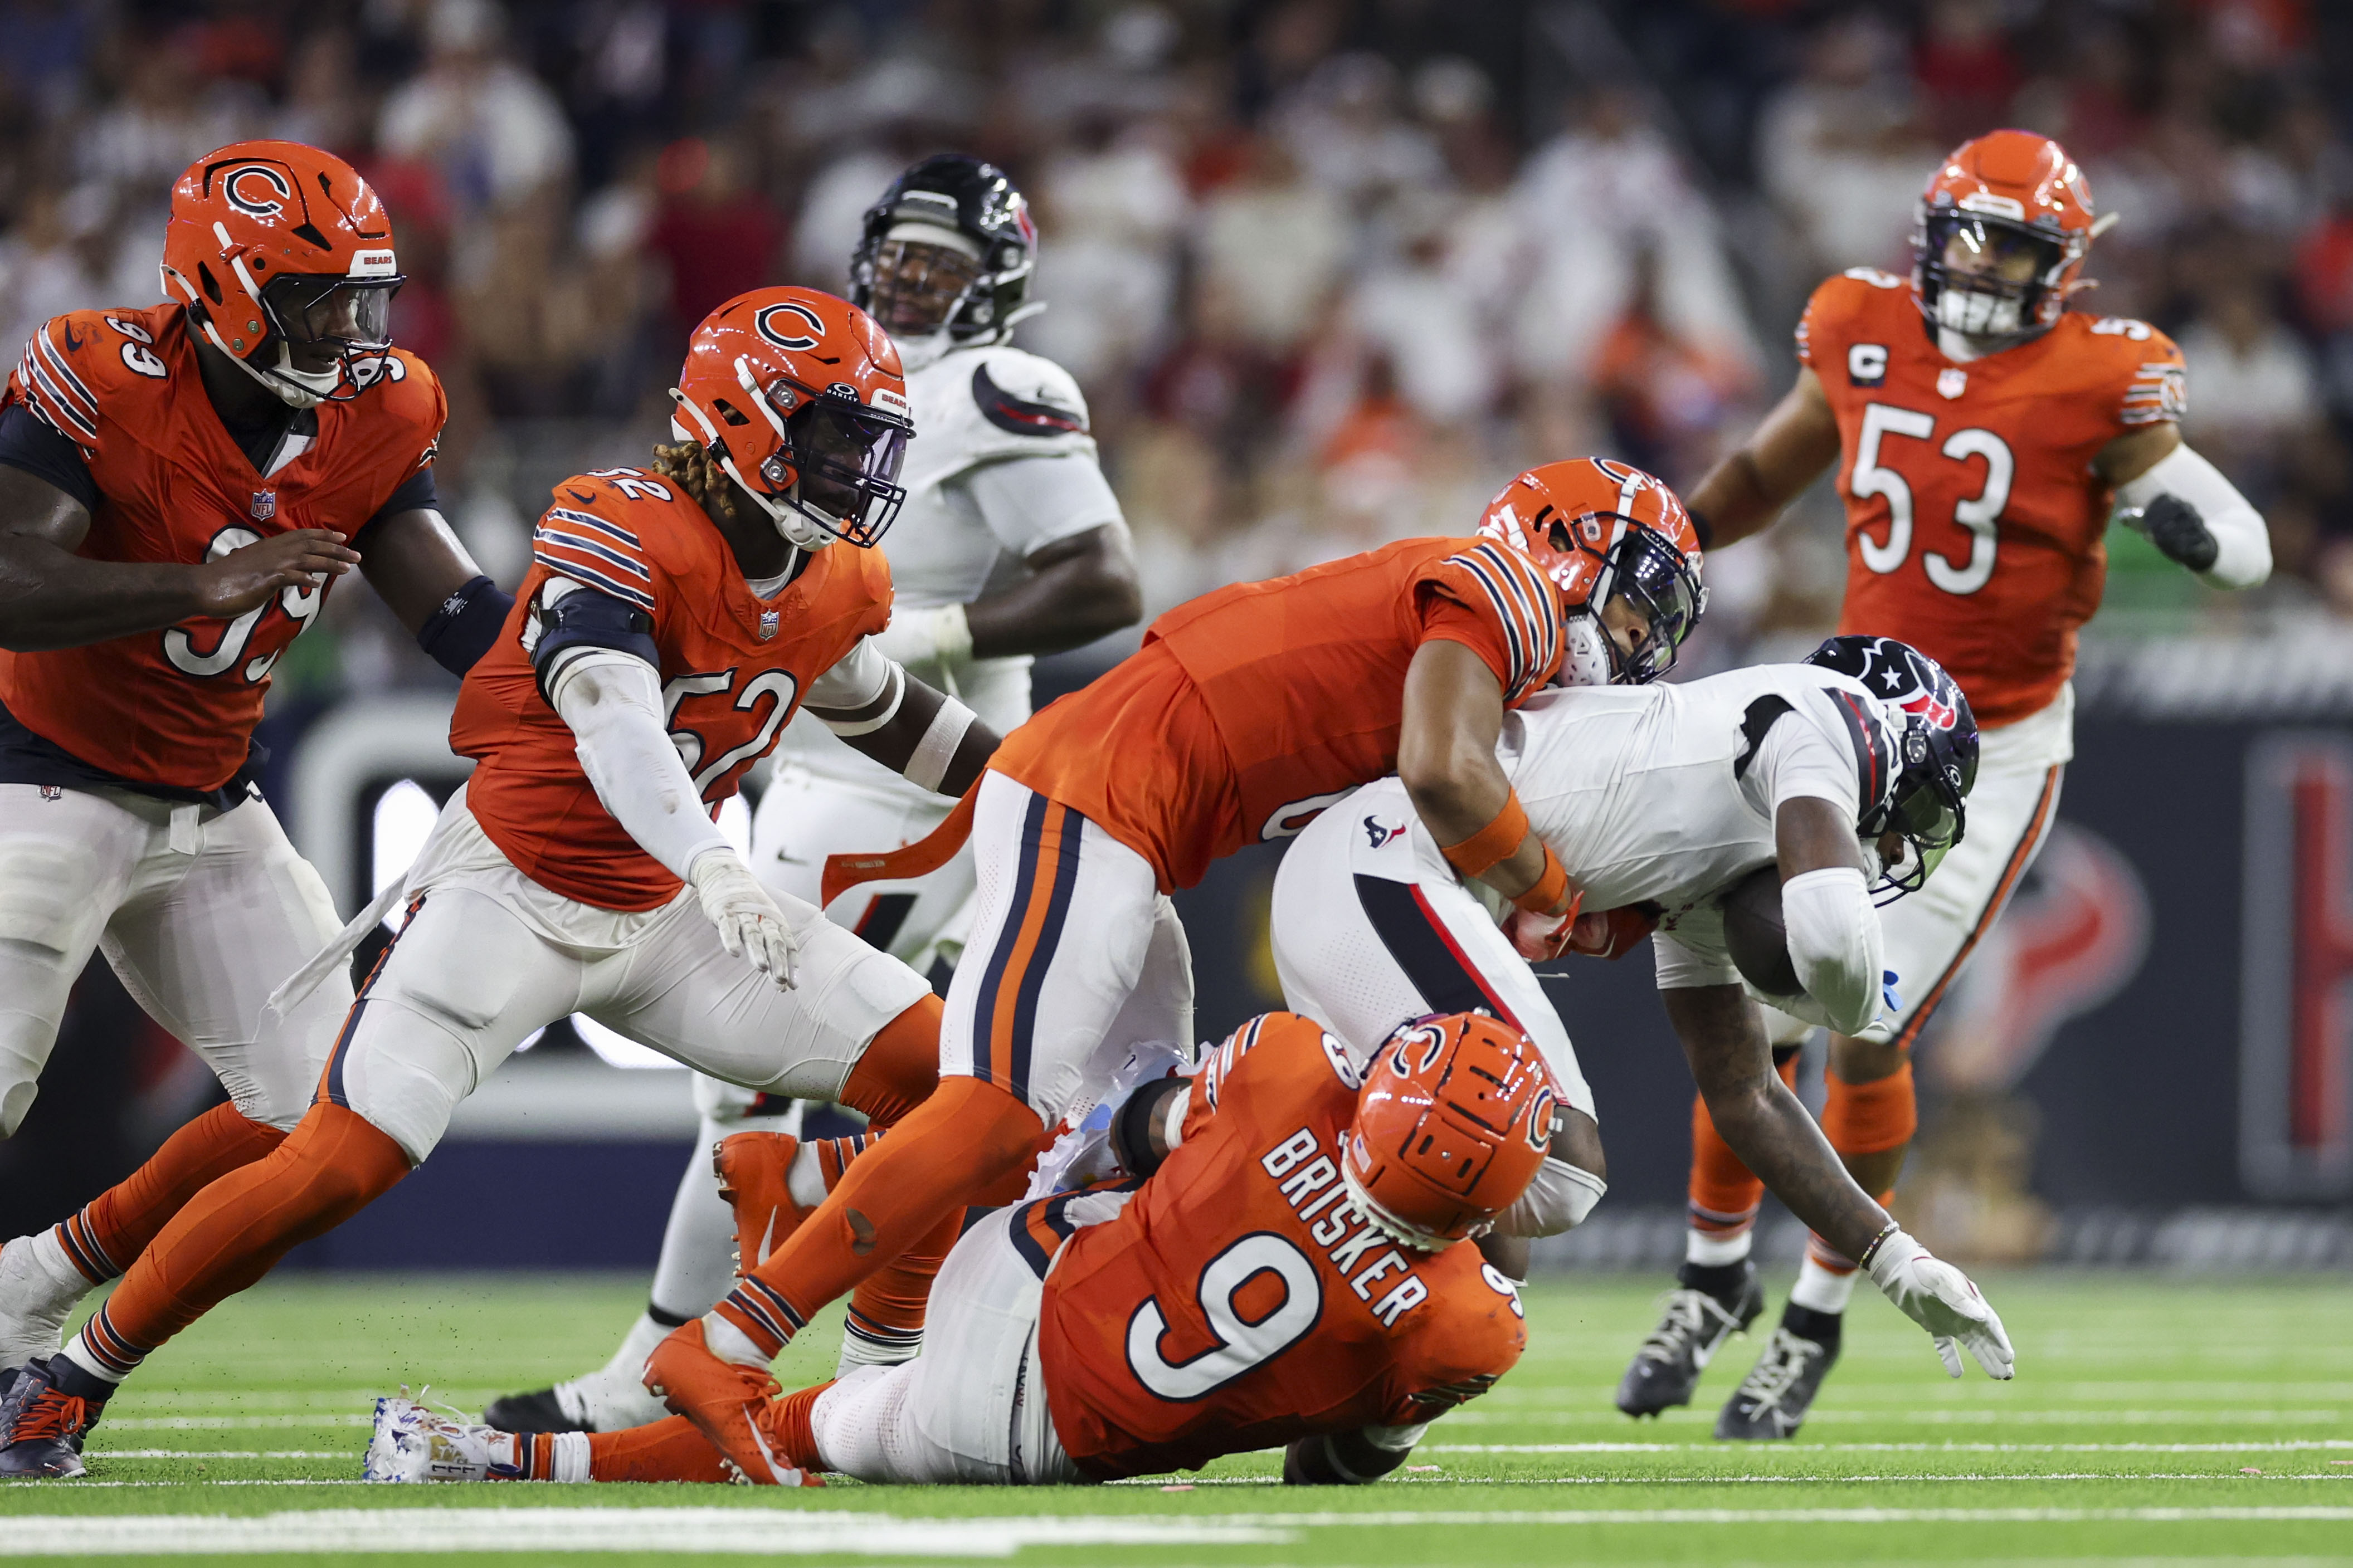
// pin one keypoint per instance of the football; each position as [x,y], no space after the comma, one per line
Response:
[1753,934]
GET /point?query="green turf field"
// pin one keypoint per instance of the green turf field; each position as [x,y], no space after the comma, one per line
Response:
[2151,1420]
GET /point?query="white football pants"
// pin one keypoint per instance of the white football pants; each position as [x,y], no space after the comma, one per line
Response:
[971,1408]
[1075,955]
[201,913]
[489,955]
[1372,929]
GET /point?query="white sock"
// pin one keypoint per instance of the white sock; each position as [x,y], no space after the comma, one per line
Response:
[84,1358]
[1818,1289]
[696,1267]
[628,1362]
[806,1180]
[68,1284]
[1714,1251]
[568,1457]
[729,1342]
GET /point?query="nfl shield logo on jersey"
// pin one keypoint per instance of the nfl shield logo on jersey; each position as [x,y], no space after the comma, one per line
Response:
[264,505]
[1951,383]
[768,619]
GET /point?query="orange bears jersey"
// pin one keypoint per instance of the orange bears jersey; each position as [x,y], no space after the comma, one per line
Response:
[1974,520]
[1251,708]
[733,667]
[176,708]
[1238,1302]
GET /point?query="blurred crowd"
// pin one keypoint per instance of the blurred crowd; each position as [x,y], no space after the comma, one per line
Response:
[1329,271]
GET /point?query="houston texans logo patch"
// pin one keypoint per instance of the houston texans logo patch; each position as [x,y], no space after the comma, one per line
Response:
[1380,833]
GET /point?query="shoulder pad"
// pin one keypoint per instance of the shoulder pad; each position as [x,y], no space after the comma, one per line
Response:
[80,364]
[2156,377]
[1023,393]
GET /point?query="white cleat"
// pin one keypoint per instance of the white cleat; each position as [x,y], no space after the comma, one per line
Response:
[34,1303]
[412,1443]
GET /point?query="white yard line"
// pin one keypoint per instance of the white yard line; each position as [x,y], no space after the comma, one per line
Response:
[776,1532]
[766,1532]
[101,1452]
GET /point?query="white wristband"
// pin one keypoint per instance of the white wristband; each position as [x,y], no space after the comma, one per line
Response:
[937,748]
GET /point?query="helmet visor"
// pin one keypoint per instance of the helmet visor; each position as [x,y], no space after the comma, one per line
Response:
[1655,599]
[331,312]
[848,457]
[917,286]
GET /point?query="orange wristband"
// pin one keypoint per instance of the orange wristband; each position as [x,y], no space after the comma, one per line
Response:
[1551,887]
[1476,855]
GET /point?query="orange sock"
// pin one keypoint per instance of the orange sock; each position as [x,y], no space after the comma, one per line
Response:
[1725,1196]
[115,1226]
[1871,1118]
[787,1425]
[232,1233]
[901,1066]
[967,1136]
[667,1450]
[886,1310]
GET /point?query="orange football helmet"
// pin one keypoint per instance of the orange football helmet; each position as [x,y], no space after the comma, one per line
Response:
[1604,531]
[800,399]
[2006,193]
[1452,1123]
[277,247]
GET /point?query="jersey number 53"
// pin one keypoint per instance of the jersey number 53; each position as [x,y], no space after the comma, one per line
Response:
[1980,514]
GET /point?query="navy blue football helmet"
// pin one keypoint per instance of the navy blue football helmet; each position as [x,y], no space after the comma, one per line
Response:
[1935,738]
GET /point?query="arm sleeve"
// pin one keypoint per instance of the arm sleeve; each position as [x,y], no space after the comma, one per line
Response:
[2243,544]
[856,680]
[1835,944]
[1030,503]
[30,442]
[613,703]
[1557,1199]
[569,619]
[416,494]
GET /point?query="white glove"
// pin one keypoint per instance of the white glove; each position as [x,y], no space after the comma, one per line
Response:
[937,637]
[1941,1299]
[749,922]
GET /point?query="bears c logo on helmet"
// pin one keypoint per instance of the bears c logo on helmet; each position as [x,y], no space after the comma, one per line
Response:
[256,189]
[778,323]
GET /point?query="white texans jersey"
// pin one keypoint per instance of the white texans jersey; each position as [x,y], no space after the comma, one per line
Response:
[1000,467]
[1665,794]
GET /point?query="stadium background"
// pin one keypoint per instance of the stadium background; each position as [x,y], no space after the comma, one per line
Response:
[1329,273]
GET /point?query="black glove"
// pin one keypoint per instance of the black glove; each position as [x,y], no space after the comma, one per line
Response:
[2175,528]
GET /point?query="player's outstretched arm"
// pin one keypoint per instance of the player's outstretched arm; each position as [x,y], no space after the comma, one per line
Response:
[1446,760]
[1789,450]
[1724,1040]
[52,597]
[2186,507]
[429,583]
[876,706]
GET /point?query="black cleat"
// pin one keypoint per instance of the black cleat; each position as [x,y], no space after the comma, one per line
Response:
[1666,1369]
[538,1411]
[42,1426]
[1772,1400]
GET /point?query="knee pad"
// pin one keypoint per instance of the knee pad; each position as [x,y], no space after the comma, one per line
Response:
[404,1073]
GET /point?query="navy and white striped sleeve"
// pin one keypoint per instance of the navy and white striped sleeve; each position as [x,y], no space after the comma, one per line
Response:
[1518,608]
[595,553]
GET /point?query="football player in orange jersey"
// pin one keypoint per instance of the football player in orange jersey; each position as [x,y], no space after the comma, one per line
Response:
[1246,711]
[1983,434]
[180,485]
[1288,1271]
[670,624]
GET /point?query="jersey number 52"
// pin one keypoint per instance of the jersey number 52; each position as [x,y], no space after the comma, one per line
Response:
[1980,514]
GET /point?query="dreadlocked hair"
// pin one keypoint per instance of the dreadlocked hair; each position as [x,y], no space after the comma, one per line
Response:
[697,472]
